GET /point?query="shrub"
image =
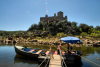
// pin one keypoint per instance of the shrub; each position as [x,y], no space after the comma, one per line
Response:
[83,34]
[70,34]
[61,34]
[49,35]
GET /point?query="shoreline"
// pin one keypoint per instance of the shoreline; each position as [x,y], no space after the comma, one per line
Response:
[48,41]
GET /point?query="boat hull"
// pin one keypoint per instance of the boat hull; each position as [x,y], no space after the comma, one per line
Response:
[26,54]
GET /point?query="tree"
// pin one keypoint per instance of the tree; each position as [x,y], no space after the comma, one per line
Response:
[90,30]
[33,27]
[97,27]
[74,24]
[69,23]
[80,30]
[40,25]
[84,27]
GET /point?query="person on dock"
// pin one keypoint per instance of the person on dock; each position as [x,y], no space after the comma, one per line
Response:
[51,53]
[69,49]
[59,48]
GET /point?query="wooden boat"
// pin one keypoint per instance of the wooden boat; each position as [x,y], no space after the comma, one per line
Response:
[31,53]
[73,58]
[43,54]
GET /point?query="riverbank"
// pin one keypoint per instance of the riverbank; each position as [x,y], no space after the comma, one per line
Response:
[86,41]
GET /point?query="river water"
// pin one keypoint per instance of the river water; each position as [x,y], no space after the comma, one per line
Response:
[8,57]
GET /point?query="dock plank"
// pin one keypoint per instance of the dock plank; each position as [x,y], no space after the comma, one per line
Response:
[56,62]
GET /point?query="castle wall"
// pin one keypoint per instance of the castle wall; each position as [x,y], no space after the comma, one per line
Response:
[60,18]
[51,18]
[54,18]
[42,19]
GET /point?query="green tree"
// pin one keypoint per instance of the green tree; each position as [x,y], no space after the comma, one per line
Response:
[74,24]
[90,30]
[61,34]
[97,28]
[84,27]
[43,29]
[83,34]
[80,30]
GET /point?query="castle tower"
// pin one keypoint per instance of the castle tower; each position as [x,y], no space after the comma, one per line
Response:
[60,14]
[66,17]
[55,17]
[46,18]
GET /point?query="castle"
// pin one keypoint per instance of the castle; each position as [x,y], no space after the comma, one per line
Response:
[57,18]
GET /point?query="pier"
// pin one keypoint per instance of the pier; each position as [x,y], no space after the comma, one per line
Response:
[55,61]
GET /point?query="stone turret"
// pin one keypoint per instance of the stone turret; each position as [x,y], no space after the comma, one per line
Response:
[66,17]
[46,17]
[55,17]
[60,14]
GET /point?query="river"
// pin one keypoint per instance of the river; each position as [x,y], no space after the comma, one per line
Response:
[8,57]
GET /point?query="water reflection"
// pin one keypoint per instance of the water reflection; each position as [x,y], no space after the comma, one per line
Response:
[8,57]
[22,59]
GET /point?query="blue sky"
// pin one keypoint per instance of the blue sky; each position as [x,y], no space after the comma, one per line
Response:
[21,14]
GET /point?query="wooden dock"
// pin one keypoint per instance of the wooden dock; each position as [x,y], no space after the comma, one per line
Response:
[56,62]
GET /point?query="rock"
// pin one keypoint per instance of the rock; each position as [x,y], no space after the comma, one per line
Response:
[88,42]
[98,42]
[56,43]
[80,37]
[46,43]
[34,41]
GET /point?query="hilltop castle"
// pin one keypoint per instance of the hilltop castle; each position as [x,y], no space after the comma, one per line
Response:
[57,18]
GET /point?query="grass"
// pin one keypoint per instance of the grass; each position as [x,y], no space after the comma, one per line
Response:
[44,39]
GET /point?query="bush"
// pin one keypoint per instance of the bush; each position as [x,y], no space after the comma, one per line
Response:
[95,34]
[70,34]
[83,34]
[61,34]
[43,29]
[49,35]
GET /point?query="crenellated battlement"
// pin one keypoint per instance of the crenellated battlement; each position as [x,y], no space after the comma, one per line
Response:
[59,17]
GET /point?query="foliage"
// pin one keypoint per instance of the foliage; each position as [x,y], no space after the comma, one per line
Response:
[43,29]
[97,28]
[61,34]
[80,30]
[10,33]
[83,34]
[84,27]
[70,34]
[49,35]
[91,30]
[56,28]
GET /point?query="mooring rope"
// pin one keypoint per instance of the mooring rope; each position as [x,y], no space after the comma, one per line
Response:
[47,62]
[88,60]
[62,59]
[42,62]
[45,58]
[64,63]
[91,61]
